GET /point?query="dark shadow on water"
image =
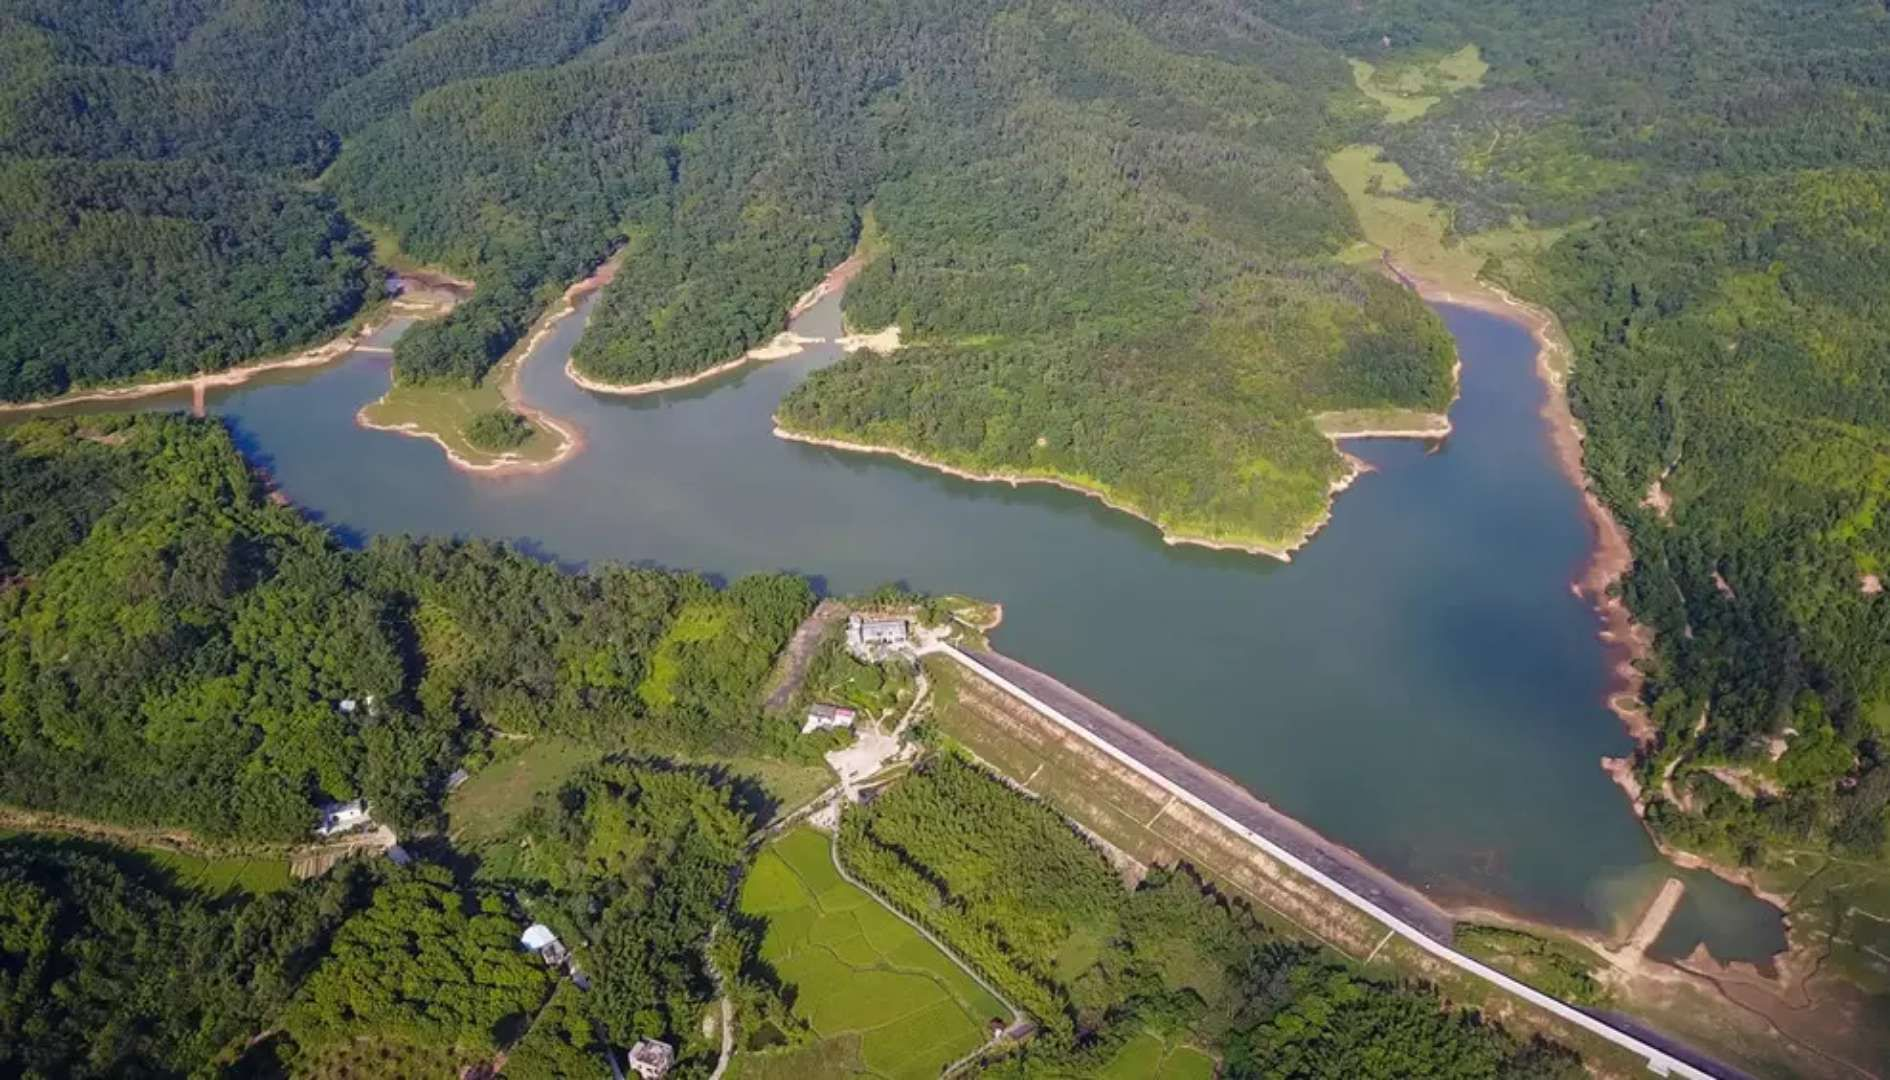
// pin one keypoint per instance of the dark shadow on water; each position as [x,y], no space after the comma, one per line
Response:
[248,442]
[534,549]
[346,535]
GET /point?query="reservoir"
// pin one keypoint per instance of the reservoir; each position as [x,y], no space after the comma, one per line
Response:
[1419,683]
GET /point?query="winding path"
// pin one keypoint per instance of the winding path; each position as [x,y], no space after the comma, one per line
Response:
[1205,791]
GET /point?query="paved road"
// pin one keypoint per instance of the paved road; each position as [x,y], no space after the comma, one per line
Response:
[1663,1057]
[1342,863]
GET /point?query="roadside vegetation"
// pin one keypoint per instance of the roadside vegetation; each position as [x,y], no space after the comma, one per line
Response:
[1011,887]
[1562,969]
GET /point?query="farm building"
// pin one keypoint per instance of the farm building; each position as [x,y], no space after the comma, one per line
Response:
[880,631]
[651,1058]
[340,817]
[824,717]
[539,939]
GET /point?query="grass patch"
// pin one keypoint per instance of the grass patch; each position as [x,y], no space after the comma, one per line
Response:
[788,783]
[882,1000]
[1407,89]
[1843,903]
[1559,968]
[491,800]
[221,875]
[450,413]
[1418,232]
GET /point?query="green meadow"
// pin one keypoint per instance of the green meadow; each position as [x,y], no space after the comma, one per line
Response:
[881,999]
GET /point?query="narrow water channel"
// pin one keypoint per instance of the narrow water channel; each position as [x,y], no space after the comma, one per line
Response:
[1419,683]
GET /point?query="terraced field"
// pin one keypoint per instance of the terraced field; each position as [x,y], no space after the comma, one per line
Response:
[883,1000]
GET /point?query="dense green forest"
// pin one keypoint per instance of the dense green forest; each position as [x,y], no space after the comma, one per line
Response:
[1724,170]
[1106,225]
[175,646]
[1014,889]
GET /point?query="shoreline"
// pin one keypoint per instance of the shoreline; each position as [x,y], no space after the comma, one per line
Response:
[328,352]
[571,439]
[1628,642]
[779,347]
[1355,468]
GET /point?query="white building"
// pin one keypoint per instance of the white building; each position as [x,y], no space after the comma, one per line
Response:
[539,939]
[341,817]
[825,717]
[651,1058]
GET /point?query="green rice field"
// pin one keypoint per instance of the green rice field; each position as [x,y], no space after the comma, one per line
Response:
[1148,1056]
[882,1000]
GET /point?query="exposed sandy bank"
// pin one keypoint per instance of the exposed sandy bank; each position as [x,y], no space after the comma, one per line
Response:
[782,345]
[570,438]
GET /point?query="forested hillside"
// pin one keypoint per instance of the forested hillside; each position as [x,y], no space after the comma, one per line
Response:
[176,647]
[1104,225]
[184,658]
[1723,170]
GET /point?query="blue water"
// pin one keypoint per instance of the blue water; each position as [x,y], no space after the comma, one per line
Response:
[1419,683]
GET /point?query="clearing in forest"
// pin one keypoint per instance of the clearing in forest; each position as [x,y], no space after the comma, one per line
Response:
[1418,232]
[1407,89]
[882,1000]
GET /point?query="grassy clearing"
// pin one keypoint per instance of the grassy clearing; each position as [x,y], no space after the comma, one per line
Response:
[1552,964]
[883,1000]
[1150,1056]
[212,875]
[1407,89]
[221,875]
[492,799]
[444,412]
[788,783]
[1417,232]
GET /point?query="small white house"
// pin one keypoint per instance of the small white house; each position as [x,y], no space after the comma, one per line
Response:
[339,818]
[539,939]
[825,717]
[651,1058]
